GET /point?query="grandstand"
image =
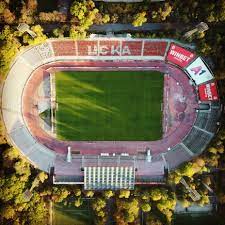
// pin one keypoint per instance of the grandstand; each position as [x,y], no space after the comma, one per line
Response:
[190,118]
[177,155]
[197,140]
[208,120]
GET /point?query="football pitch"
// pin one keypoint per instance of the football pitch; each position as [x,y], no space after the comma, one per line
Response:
[68,214]
[109,105]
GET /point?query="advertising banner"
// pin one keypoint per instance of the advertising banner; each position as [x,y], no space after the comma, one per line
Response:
[208,92]
[179,56]
[154,48]
[199,72]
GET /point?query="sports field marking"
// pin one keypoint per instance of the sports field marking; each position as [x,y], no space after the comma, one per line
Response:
[109,105]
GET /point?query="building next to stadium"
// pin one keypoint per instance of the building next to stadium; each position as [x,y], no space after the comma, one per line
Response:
[111,164]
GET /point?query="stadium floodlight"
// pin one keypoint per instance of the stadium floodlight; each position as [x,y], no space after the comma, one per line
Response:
[195,196]
[68,157]
[23,27]
[201,27]
[149,156]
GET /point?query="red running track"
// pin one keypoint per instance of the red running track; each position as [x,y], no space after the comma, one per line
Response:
[179,111]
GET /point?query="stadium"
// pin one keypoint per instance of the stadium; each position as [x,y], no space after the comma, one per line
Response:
[110,113]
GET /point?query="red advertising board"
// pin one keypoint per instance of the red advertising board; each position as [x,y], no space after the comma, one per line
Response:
[66,48]
[208,92]
[154,48]
[109,48]
[131,48]
[179,56]
[87,48]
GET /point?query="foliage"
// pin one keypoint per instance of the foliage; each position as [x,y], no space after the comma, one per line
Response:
[59,193]
[89,194]
[78,202]
[162,13]
[151,219]
[84,14]
[10,47]
[8,212]
[77,192]
[146,207]
[99,204]
[139,19]
[28,11]
[108,194]
[40,38]
[124,194]
[77,34]
[54,16]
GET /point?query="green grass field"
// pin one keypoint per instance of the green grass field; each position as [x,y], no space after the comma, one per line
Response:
[105,106]
[70,215]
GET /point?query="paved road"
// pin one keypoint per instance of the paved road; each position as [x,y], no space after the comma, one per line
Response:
[118,27]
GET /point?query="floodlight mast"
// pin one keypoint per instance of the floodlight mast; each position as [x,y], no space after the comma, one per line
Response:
[201,27]
[23,27]
[195,196]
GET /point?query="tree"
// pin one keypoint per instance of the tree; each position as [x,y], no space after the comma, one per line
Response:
[152,220]
[41,177]
[124,194]
[59,194]
[37,212]
[146,207]
[40,38]
[28,11]
[78,202]
[166,204]
[76,33]
[8,212]
[85,13]
[2,6]
[204,200]
[166,11]
[58,32]
[77,192]
[89,193]
[101,213]
[10,187]
[106,18]
[8,16]
[129,218]
[155,194]
[99,204]
[9,49]
[32,5]
[167,207]
[22,168]
[185,203]
[139,19]
[145,195]
[54,16]
[108,194]
[10,154]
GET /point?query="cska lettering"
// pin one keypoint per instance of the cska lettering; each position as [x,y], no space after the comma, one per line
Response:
[197,70]
[126,50]
[92,51]
[108,50]
[115,50]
